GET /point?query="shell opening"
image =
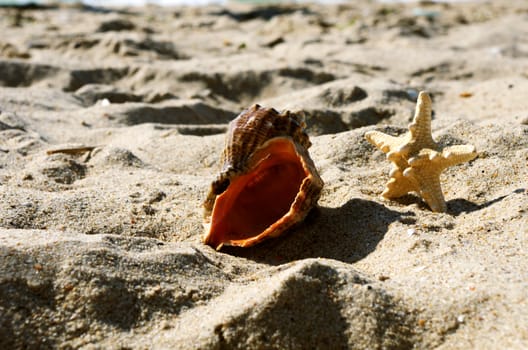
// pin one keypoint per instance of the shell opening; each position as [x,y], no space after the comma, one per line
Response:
[256,200]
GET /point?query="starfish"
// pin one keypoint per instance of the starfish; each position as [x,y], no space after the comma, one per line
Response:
[417,160]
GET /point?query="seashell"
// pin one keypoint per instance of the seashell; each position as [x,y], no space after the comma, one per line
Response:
[268,182]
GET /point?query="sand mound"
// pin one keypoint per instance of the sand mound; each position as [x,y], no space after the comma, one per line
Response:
[111,129]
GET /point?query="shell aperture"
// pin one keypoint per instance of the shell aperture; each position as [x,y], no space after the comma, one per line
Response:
[270,187]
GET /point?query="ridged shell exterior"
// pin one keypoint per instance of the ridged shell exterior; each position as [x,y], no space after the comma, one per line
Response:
[246,134]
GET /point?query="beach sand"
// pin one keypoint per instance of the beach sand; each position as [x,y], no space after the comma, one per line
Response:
[111,127]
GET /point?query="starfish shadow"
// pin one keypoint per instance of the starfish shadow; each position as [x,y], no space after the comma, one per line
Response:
[348,233]
[411,198]
[458,206]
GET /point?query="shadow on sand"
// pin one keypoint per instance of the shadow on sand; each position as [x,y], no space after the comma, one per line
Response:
[458,206]
[455,207]
[348,233]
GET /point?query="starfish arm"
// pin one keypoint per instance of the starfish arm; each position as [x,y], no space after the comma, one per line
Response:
[397,188]
[450,156]
[398,160]
[429,187]
[420,128]
[383,141]
[459,154]
[428,159]
[398,185]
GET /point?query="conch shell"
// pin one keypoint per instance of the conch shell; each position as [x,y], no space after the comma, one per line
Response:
[268,181]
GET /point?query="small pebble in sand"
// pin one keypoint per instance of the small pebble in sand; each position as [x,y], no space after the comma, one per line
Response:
[419,269]
[104,102]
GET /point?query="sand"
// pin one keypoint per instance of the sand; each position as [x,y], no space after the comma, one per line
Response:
[111,127]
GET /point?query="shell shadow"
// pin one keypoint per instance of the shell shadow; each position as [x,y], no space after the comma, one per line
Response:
[347,233]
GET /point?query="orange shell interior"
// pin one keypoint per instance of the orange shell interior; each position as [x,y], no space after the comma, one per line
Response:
[255,203]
